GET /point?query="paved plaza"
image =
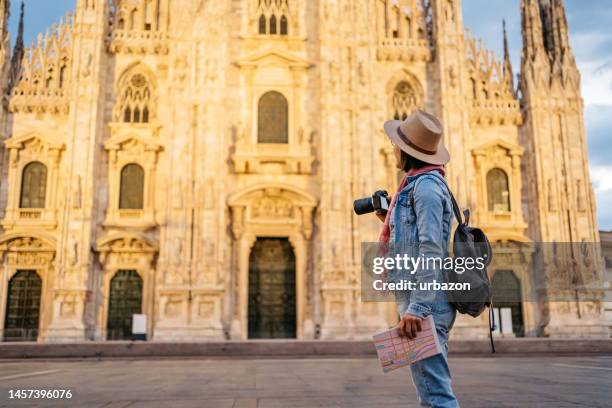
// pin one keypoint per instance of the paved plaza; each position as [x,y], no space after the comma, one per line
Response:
[553,382]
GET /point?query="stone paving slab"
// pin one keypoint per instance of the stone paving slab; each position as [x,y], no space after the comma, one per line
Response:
[284,348]
[543,381]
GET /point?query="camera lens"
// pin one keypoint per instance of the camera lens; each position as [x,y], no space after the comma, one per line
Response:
[363,206]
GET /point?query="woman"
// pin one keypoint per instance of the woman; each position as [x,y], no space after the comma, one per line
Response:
[419,222]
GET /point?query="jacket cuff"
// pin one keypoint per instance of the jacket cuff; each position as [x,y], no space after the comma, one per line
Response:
[418,310]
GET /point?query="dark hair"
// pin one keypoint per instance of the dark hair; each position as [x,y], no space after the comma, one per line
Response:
[409,162]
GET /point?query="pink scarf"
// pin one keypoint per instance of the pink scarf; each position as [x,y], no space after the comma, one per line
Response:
[385,234]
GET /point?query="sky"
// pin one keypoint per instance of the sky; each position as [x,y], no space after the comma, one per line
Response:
[590,36]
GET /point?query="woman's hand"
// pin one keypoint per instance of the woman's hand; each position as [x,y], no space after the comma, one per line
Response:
[409,326]
[381,215]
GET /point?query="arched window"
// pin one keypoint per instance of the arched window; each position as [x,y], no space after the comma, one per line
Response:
[262,24]
[273,118]
[273,24]
[485,91]
[127,115]
[62,76]
[284,28]
[408,25]
[474,88]
[131,194]
[148,17]
[33,186]
[498,193]
[136,100]
[49,80]
[396,22]
[133,19]
[404,100]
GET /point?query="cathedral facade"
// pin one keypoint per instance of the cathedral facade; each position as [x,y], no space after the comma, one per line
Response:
[196,161]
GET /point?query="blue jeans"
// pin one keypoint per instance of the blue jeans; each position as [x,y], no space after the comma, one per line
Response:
[432,377]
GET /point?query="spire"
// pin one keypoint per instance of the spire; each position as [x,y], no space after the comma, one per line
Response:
[533,37]
[18,52]
[508,74]
[548,31]
[5,7]
[560,28]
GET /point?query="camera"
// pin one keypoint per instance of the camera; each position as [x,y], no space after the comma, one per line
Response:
[378,202]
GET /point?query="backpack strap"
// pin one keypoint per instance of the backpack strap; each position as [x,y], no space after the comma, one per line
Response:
[456,209]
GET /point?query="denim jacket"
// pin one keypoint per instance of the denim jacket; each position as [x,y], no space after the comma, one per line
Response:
[421,231]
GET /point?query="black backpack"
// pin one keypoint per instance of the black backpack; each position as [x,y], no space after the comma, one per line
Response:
[469,242]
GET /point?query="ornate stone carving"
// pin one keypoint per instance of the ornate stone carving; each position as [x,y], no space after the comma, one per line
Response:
[44,82]
[274,208]
[493,98]
[272,204]
[128,250]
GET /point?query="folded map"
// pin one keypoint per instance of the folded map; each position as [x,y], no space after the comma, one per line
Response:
[395,351]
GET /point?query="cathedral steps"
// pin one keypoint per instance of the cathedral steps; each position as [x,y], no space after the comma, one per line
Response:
[290,349]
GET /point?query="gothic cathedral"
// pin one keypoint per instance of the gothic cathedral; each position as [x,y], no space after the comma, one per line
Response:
[195,161]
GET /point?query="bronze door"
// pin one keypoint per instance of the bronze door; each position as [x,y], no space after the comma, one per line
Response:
[23,307]
[507,294]
[272,310]
[125,300]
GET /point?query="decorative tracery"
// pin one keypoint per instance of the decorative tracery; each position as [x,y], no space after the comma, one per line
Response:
[273,17]
[136,97]
[404,100]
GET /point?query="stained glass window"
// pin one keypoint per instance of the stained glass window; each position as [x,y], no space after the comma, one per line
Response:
[273,118]
[131,196]
[33,186]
